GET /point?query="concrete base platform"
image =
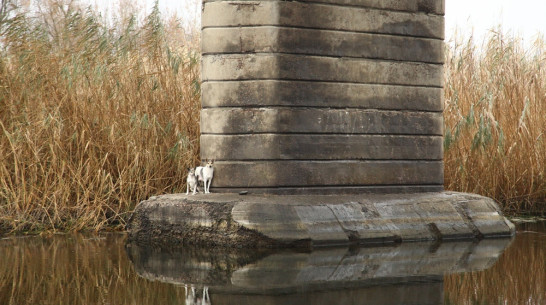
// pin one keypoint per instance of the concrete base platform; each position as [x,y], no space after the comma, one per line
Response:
[232,220]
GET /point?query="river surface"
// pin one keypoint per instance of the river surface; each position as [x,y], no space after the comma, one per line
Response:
[102,269]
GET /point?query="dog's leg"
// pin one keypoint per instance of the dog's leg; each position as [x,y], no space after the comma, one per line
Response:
[187,188]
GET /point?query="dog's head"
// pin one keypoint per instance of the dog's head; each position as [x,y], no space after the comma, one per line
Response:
[192,171]
[209,163]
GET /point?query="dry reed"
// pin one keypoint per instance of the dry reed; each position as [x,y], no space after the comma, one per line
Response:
[92,119]
[495,117]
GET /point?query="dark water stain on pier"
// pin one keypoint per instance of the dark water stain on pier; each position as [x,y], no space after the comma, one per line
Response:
[80,269]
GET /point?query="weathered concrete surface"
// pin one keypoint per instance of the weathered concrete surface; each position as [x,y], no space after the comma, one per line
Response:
[337,189]
[321,16]
[321,147]
[304,96]
[412,6]
[324,121]
[301,173]
[317,68]
[284,221]
[263,93]
[270,39]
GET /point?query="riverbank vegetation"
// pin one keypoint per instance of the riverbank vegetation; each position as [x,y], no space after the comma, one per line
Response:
[96,116]
[495,121]
[93,118]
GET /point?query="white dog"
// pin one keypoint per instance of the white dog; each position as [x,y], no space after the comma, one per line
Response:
[191,182]
[208,173]
[199,175]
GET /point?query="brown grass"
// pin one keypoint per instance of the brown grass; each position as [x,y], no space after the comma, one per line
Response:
[495,117]
[92,119]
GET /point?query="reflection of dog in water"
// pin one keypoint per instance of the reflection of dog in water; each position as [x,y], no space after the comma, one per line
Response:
[192,297]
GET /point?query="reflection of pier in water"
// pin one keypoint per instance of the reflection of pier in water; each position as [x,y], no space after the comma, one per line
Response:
[410,273]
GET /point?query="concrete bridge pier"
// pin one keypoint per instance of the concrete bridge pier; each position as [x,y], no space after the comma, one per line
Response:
[329,96]
[329,113]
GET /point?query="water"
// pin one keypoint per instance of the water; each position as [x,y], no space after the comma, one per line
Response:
[79,269]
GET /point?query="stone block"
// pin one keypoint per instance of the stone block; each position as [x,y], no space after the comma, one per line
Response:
[324,121]
[282,222]
[401,215]
[486,216]
[228,67]
[321,16]
[413,6]
[263,93]
[320,147]
[322,225]
[358,220]
[269,39]
[337,189]
[248,174]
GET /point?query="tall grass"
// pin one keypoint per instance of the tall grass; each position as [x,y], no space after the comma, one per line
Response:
[93,118]
[495,117]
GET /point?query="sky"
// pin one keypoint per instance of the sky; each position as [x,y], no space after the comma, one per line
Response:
[524,17]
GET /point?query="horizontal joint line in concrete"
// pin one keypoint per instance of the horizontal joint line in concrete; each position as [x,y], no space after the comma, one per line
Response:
[326,56]
[314,81]
[331,161]
[320,81]
[333,186]
[322,133]
[287,80]
[283,107]
[322,30]
[343,5]
[329,134]
[268,54]
[364,6]
[324,107]
[314,28]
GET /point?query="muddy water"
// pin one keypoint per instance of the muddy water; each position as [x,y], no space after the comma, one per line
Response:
[518,277]
[80,269]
